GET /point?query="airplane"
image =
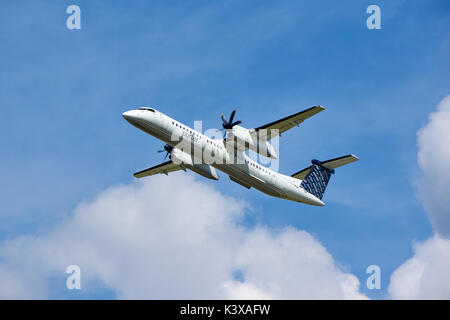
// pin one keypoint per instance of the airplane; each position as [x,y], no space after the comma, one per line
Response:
[187,148]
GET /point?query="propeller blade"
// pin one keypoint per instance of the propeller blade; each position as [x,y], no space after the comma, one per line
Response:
[223,118]
[168,148]
[229,124]
[232,116]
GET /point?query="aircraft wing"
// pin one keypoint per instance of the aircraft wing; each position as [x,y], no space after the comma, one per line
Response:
[164,168]
[287,123]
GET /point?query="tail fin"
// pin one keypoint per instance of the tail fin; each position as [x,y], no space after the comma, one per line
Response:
[315,178]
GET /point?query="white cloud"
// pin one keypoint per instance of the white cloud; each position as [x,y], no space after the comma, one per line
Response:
[434,160]
[172,237]
[425,275]
[290,264]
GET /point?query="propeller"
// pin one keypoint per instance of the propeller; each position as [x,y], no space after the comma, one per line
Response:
[229,124]
[167,148]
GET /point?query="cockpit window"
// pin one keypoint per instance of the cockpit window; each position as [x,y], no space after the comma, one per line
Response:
[147,108]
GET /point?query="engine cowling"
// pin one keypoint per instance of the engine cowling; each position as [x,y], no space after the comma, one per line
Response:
[246,139]
[181,158]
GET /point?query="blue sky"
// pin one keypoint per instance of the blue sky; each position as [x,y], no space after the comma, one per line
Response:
[63,91]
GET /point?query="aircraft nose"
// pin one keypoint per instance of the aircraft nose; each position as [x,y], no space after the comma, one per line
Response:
[130,116]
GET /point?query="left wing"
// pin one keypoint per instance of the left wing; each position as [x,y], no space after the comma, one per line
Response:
[287,123]
[165,168]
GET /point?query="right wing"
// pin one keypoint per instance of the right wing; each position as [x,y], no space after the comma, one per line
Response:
[165,168]
[287,123]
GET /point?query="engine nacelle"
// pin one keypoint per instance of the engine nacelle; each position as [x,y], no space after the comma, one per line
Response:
[185,160]
[181,158]
[244,138]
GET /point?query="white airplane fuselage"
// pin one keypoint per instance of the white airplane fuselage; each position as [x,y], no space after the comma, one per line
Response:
[237,165]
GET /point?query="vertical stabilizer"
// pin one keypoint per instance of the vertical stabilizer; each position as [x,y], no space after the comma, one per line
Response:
[317,179]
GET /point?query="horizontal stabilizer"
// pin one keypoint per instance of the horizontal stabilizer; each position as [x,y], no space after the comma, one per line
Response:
[329,164]
[338,162]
